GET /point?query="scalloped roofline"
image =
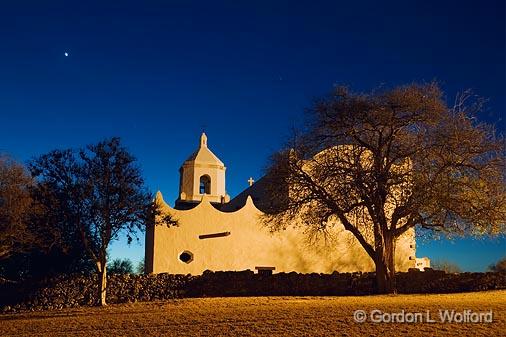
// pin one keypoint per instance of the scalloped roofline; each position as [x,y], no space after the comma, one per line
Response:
[204,202]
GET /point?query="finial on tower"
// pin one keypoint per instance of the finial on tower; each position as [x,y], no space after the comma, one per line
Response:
[203,140]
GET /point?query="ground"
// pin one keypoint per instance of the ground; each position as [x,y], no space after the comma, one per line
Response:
[267,316]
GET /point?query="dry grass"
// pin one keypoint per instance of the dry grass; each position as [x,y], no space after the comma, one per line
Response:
[267,316]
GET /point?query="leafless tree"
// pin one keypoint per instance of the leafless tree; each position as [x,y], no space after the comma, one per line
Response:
[16,234]
[384,162]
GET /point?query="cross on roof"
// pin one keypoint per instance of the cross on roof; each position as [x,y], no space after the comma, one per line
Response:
[251,181]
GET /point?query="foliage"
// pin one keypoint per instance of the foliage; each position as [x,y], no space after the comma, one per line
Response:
[31,245]
[498,267]
[385,162]
[43,263]
[99,193]
[140,269]
[57,248]
[121,266]
[445,265]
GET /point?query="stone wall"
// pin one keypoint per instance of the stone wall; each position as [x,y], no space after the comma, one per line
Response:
[79,290]
[337,284]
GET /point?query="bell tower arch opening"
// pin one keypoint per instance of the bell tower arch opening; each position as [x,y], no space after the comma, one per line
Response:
[205,184]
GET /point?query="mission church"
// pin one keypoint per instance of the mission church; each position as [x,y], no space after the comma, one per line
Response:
[218,233]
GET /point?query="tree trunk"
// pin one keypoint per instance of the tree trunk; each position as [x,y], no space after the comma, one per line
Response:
[102,283]
[385,266]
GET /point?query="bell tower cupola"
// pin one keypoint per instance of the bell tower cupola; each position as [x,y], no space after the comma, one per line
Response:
[202,174]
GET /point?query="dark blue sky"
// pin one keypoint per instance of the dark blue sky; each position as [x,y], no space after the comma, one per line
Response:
[158,72]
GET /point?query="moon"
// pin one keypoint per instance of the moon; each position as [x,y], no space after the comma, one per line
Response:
[66,54]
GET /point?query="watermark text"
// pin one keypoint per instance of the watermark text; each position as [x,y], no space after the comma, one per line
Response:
[442,316]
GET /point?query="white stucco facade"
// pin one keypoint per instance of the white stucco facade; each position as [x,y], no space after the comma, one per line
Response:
[208,238]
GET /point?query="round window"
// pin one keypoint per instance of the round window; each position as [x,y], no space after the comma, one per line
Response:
[186,256]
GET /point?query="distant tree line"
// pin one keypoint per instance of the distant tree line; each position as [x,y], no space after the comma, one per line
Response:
[125,266]
[445,265]
[61,212]
[499,266]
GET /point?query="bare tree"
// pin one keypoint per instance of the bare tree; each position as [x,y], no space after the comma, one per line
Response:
[385,162]
[16,233]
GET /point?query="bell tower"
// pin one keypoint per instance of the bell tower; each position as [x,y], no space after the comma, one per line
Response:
[202,174]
